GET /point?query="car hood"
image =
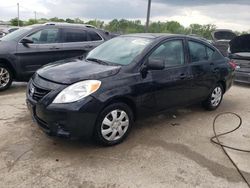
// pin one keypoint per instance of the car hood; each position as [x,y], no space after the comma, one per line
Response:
[240,44]
[74,70]
[7,46]
[223,35]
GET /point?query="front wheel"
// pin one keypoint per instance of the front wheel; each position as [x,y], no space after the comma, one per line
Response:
[114,124]
[215,98]
[6,77]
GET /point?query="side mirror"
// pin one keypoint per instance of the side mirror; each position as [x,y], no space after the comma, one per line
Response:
[155,64]
[26,41]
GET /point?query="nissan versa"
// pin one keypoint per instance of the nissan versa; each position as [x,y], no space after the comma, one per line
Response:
[125,78]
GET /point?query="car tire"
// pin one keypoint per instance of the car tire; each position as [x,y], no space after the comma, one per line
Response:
[214,99]
[6,77]
[114,124]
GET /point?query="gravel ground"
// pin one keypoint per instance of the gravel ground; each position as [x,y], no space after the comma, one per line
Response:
[171,149]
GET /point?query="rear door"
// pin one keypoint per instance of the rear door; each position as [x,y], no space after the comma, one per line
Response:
[204,65]
[46,48]
[79,41]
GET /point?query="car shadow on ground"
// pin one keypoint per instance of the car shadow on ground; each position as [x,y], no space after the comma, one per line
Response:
[165,119]
[15,88]
[242,84]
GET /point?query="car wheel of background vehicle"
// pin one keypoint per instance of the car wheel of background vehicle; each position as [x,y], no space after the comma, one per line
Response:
[215,98]
[6,77]
[114,124]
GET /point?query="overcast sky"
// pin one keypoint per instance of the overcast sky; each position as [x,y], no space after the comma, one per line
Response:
[232,14]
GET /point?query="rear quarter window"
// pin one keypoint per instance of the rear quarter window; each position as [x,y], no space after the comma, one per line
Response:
[213,54]
[197,51]
[94,36]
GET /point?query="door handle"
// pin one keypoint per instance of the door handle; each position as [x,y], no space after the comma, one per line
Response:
[183,76]
[54,48]
[89,46]
[215,70]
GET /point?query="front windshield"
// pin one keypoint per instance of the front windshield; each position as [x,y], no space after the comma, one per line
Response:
[15,34]
[119,50]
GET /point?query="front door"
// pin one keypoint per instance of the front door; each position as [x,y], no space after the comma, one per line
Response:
[172,85]
[46,48]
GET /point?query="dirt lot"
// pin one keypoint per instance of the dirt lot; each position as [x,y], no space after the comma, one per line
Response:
[167,150]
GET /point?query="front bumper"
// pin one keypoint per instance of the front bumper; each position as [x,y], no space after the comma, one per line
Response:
[243,77]
[66,120]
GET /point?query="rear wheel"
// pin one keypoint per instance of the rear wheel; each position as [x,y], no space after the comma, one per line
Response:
[215,98]
[6,77]
[114,124]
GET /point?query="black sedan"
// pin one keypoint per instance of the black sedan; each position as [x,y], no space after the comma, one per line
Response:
[125,78]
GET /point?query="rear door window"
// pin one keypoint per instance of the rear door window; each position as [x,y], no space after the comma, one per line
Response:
[74,35]
[200,52]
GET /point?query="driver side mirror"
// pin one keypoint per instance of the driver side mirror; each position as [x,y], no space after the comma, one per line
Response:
[26,41]
[155,64]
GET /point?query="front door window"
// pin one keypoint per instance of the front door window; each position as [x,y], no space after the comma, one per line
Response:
[45,36]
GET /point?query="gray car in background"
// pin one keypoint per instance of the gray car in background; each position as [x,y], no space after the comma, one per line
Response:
[8,30]
[27,49]
[240,52]
[221,39]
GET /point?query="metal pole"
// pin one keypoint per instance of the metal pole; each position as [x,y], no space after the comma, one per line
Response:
[35,15]
[18,14]
[148,15]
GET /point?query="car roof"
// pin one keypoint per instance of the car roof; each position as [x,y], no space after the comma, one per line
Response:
[155,36]
[66,25]
[63,24]
[164,35]
[152,35]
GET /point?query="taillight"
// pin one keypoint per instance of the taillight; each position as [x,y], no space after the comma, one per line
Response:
[233,64]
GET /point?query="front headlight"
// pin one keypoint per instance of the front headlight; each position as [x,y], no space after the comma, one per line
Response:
[77,91]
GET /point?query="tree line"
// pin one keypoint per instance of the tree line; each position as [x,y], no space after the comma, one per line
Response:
[124,26]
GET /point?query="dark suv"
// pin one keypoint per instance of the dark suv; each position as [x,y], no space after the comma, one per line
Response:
[23,51]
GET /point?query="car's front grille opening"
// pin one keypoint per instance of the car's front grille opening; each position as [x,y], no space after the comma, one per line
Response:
[37,93]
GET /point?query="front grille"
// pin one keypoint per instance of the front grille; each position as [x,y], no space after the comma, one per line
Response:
[37,93]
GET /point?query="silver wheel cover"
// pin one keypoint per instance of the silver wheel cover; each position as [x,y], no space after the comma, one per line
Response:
[4,77]
[115,125]
[216,96]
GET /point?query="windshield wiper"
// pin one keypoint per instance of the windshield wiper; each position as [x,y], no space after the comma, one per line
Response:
[98,61]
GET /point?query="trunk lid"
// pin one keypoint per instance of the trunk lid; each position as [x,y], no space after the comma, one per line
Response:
[240,44]
[223,35]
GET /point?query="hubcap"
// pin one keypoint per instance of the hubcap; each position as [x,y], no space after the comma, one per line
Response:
[4,77]
[216,96]
[115,125]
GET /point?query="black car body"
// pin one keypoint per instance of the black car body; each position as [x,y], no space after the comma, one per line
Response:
[240,53]
[221,39]
[24,51]
[168,71]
